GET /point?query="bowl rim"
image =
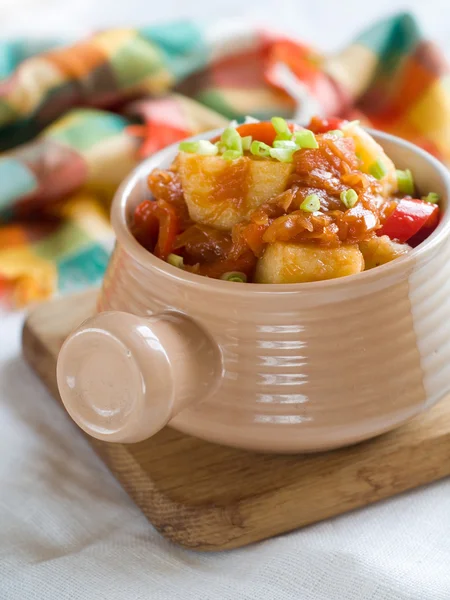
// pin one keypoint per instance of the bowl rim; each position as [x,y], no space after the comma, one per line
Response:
[149,260]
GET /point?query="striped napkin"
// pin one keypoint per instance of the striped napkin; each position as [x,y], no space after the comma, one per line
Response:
[75,119]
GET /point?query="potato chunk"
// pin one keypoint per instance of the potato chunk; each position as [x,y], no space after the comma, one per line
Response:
[221,193]
[380,250]
[296,263]
[369,151]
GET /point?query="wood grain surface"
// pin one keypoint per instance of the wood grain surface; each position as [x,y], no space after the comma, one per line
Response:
[211,497]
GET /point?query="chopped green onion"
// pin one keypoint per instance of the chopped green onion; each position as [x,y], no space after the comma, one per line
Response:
[282,129]
[405,182]
[282,154]
[246,142]
[204,147]
[311,203]
[175,260]
[432,198]
[231,139]
[235,276]
[231,154]
[188,147]
[259,149]
[349,198]
[378,169]
[305,139]
[220,146]
[288,144]
[336,132]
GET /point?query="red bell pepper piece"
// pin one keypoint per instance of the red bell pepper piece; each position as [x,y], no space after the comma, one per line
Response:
[156,226]
[169,228]
[146,224]
[263,131]
[319,125]
[426,230]
[409,217]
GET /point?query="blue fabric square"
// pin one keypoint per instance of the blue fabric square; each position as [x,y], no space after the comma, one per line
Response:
[16,180]
[84,269]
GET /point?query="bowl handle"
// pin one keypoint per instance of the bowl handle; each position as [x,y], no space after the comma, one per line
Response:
[122,377]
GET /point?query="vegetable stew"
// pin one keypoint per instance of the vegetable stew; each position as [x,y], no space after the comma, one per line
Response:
[272,202]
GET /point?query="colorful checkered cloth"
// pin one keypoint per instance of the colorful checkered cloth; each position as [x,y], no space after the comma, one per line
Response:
[75,120]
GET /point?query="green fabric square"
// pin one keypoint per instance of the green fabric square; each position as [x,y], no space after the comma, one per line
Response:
[399,32]
[17,131]
[214,99]
[87,129]
[391,39]
[135,61]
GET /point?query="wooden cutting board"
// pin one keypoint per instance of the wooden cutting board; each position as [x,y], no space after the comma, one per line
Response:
[210,497]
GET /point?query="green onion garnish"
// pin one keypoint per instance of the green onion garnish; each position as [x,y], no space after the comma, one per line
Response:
[235,276]
[432,198]
[175,260]
[203,147]
[349,198]
[259,149]
[188,147]
[288,144]
[231,139]
[282,154]
[220,146]
[311,203]
[246,142]
[378,169]
[231,154]
[282,129]
[336,132]
[305,139]
[405,182]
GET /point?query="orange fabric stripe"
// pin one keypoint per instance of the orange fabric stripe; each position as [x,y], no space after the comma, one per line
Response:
[12,235]
[414,82]
[78,61]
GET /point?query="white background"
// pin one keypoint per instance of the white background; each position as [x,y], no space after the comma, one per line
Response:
[68,531]
[328,23]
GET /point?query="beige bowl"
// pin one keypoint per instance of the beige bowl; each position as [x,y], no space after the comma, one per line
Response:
[282,368]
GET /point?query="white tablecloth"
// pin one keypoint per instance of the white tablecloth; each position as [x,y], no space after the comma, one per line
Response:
[67,529]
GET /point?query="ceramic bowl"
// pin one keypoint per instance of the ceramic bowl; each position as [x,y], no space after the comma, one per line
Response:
[281,368]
